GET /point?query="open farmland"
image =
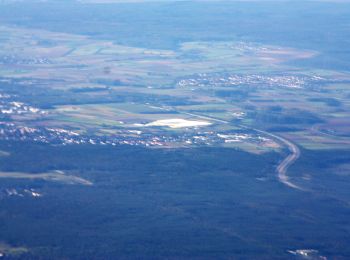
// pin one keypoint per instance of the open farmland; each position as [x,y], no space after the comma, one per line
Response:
[114,89]
[117,91]
[174,130]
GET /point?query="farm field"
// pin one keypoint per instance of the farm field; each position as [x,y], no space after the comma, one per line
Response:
[223,124]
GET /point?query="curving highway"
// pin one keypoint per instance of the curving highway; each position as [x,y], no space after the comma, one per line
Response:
[282,168]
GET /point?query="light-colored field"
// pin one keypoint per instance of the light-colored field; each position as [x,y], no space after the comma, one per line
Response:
[7,250]
[119,114]
[179,123]
[55,176]
[4,153]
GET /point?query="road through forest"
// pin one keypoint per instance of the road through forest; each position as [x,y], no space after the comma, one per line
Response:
[282,168]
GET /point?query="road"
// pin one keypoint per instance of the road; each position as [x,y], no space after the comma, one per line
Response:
[282,168]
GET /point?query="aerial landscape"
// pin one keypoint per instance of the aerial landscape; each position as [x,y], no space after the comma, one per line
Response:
[174,129]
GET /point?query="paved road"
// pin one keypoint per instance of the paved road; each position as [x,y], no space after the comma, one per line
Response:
[282,168]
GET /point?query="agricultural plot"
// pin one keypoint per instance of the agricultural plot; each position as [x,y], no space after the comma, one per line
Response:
[223,124]
[120,88]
